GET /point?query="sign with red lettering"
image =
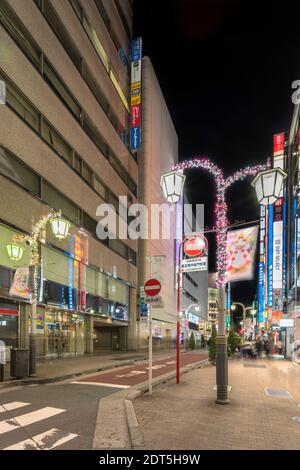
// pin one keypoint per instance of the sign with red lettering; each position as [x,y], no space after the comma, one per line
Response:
[195,246]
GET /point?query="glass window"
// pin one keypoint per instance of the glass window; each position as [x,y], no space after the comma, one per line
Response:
[95,89]
[57,142]
[100,187]
[19,172]
[58,201]
[61,32]
[21,105]
[112,199]
[77,163]
[61,89]
[118,291]
[132,256]
[88,223]
[95,135]
[87,173]
[15,28]
[118,167]
[91,281]
[95,41]
[118,247]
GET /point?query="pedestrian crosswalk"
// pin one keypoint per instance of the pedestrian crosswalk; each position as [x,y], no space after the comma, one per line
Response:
[47,440]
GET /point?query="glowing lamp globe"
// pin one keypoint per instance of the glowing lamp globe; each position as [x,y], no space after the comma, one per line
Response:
[268,185]
[60,227]
[14,251]
[172,184]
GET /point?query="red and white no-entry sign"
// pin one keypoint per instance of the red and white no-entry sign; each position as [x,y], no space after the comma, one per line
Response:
[152,287]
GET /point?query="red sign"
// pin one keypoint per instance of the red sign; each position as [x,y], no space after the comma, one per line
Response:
[136,115]
[152,287]
[278,141]
[8,311]
[196,246]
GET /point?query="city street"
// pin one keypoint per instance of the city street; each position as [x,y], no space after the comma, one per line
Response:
[63,415]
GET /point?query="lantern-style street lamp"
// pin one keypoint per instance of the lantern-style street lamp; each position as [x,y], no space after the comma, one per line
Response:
[172,184]
[60,227]
[268,185]
[14,251]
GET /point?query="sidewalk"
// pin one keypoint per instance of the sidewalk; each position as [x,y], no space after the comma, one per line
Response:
[185,416]
[51,370]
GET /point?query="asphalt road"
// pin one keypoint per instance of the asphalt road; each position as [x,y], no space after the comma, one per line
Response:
[58,416]
[63,415]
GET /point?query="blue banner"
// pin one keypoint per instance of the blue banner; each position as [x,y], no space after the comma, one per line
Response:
[136,49]
[135,137]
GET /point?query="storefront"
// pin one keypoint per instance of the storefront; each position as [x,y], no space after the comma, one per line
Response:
[72,294]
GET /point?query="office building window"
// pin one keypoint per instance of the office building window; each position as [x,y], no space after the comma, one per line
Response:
[15,28]
[61,32]
[56,200]
[60,88]
[118,247]
[88,223]
[93,133]
[77,163]
[87,173]
[19,172]
[17,101]
[91,82]
[57,142]
[100,187]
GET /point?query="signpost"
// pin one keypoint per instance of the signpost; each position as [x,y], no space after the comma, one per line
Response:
[152,288]
[195,246]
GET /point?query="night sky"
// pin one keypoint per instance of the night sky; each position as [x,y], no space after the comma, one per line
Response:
[225,68]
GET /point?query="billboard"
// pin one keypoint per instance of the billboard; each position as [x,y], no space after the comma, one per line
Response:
[136,94]
[261,264]
[240,250]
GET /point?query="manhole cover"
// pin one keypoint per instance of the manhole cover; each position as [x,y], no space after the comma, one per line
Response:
[257,366]
[277,393]
[297,419]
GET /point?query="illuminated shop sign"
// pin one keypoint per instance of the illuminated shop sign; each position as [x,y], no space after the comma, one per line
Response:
[136,94]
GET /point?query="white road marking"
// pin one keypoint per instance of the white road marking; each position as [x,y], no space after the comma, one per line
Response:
[12,406]
[132,373]
[46,441]
[171,362]
[101,384]
[28,418]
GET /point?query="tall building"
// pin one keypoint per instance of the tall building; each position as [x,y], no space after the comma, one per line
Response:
[156,254]
[64,144]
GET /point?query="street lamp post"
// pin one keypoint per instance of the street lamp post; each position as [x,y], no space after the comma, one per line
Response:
[60,229]
[245,309]
[172,184]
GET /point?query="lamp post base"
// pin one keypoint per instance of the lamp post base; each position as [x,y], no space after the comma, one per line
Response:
[222,370]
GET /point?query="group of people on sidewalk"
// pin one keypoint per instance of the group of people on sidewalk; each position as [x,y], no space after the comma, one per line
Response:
[262,346]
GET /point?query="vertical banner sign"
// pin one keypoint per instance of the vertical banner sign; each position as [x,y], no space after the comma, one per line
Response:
[136,92]
[270,258]
[261,264]
[228,306]
[277,304]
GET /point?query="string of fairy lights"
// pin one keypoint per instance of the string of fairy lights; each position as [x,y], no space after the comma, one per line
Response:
[33,240]
[221,210]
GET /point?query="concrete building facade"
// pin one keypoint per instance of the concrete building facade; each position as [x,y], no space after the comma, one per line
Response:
[64,145]
[159,151]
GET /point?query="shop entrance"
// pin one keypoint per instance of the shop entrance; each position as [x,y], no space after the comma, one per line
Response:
[106,338]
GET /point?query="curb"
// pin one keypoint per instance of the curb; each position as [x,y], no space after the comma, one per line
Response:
[60,378]
[135,433]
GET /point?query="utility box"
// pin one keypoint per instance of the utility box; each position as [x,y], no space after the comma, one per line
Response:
[19,363]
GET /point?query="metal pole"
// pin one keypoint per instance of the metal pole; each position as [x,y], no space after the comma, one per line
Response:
[221,347]
[178,316]
[244,322]
[32,340]
[150,338]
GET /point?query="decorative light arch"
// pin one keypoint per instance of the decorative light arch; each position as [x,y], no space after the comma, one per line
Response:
[221,210]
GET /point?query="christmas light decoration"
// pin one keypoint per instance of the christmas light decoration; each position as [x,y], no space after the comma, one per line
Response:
[33,241]
[221,211]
